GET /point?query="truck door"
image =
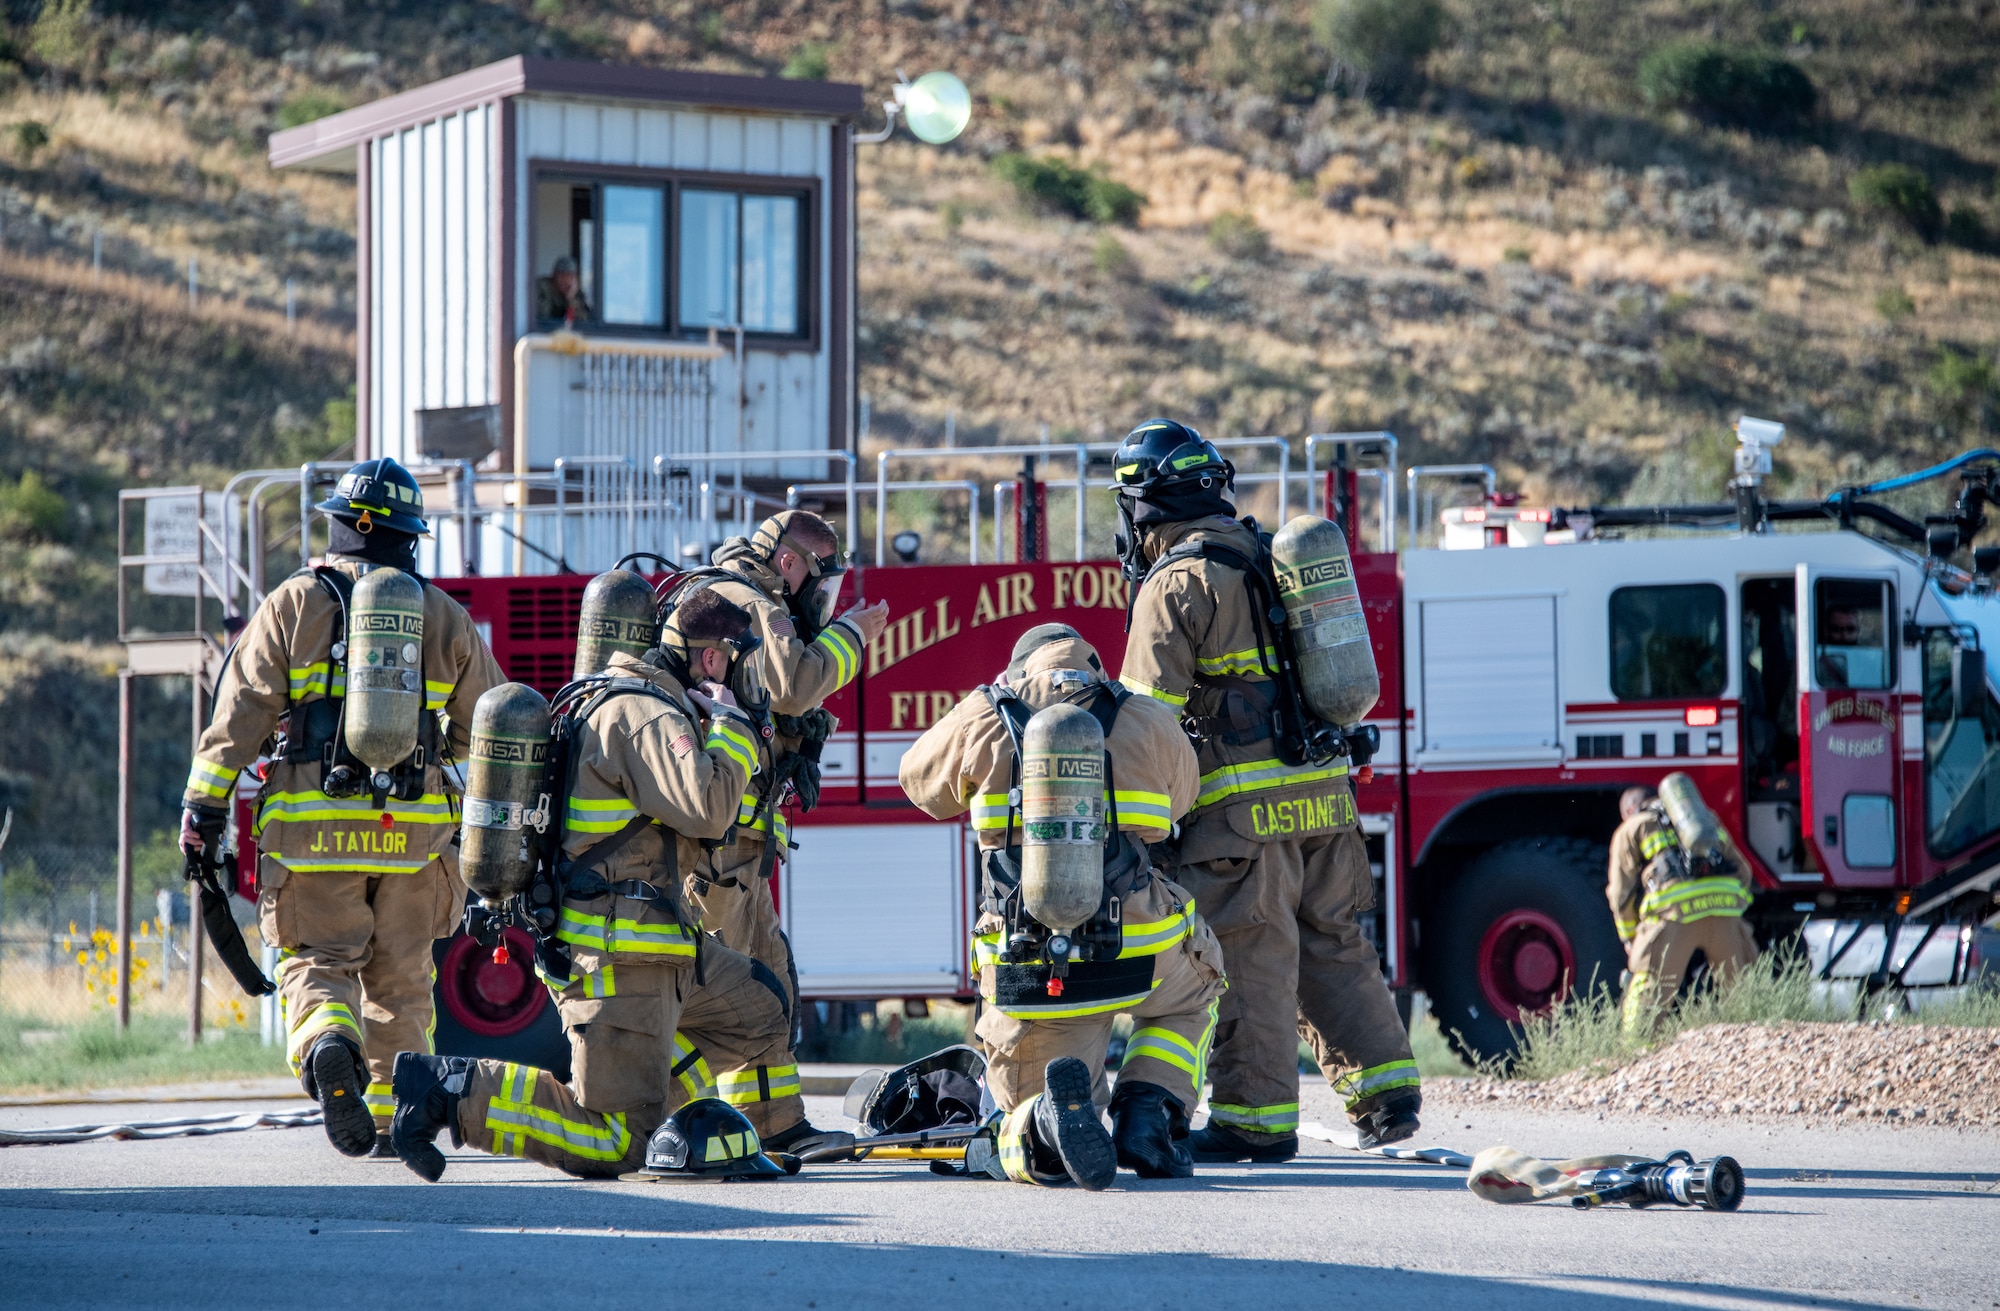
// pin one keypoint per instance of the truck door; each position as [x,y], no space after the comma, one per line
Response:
[1849,723]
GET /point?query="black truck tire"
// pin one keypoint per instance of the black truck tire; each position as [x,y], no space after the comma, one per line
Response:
[1522,926]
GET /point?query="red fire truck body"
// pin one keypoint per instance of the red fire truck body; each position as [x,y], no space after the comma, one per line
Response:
[1522,690]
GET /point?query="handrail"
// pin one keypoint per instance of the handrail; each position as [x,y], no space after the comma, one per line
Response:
[1418,472]
[661,463]
[1076,451]
[969,486]
[1388,475]
[563,464]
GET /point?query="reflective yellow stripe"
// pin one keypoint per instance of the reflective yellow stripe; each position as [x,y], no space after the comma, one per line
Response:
[1150,938]
[436,693]
[1627,929]
[1163,1045]
[1281,1118]
[989,810]
[745,1088]
[844,649]
[747,817]
[1260,775]
[1239,662]
[600,1138]
[726,736]
[1157,694]
[1655,842]
[627,936]
[1696,899]
[606,816]
[1144,809]
[600,984]
[308,1027]
[1016,1161]
[381,1101]
[352,865]
[307,807]
[691,1068]
[1377,1079]
[1057,1010]
[313,678]
[211,779]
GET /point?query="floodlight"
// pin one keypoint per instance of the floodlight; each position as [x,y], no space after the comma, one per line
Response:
[937,107]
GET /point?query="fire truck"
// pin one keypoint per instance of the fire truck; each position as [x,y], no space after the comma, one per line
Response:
[605,310]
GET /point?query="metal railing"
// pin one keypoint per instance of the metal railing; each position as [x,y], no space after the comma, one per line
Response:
[1363,443]
[969,487]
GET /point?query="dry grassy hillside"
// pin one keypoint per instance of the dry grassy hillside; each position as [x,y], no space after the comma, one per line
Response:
[1507,247]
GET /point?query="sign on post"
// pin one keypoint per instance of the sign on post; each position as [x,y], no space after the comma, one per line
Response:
[170,530]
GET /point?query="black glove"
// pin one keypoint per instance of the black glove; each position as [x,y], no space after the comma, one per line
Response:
[805,780]
[201,827]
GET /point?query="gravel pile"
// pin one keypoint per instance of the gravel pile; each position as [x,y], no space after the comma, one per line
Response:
[1885,1073]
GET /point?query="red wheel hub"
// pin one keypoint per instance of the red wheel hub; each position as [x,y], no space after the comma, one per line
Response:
[490,999]
[1525,964]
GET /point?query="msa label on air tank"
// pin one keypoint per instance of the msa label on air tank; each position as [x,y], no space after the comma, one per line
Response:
[400,622]
[616,630]
[1319,574]
[1086,767]
[511,750]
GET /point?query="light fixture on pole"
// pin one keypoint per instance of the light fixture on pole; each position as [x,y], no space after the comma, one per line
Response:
[936,106]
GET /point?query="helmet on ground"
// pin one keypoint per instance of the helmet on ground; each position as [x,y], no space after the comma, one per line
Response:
[1161,456]
[708,1136]
[932,1092]
[378,494]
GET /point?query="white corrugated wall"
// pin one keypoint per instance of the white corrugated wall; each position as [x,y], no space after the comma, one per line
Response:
[431,274]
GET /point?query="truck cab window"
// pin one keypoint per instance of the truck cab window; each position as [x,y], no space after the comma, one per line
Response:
[1851,641]
[1961,758]
[1667,642]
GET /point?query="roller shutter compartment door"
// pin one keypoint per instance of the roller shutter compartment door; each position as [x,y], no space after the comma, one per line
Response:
[1489,670]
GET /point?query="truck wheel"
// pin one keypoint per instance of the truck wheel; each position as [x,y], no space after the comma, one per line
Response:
[1523,926]
[497,1011]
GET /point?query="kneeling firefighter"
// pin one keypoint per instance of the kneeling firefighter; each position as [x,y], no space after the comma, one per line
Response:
[629,779]
[1677,886]
[1069,778]
[1273,849]
[350,665]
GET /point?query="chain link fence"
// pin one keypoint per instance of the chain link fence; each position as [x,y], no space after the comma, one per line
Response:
[59,958]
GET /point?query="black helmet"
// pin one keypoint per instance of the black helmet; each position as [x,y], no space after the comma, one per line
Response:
[378,493]
[708,1136]
[1162,456]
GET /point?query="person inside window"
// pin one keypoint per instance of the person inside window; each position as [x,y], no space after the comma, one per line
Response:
[560,295]
[1841,627]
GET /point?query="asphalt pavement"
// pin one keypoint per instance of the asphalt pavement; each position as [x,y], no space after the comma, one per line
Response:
[1846,1217]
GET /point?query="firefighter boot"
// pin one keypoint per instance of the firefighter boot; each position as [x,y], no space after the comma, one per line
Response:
[1149,1127]
[802,1139]
[1217,1143]
[1391,1122]
[334,1077]
[1066,1123]
[427,1091]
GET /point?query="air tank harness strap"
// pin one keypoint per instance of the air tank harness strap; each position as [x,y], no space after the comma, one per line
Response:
[581,880]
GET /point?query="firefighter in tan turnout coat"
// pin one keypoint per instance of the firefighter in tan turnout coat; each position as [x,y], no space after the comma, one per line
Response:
[650,1004]
[1166,972]
[354,890]
[1272,852]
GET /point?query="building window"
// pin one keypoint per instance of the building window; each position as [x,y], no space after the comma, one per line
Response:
[1667,642]
[739,261]
[656,252]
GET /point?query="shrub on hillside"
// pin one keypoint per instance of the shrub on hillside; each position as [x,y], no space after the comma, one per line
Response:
[1237,235]
[1270,53]
[1900,192]
[1378,44]
[807,64]
[31,510]
[1965,227]
[307,107]
[29,137]
[1057,186]
[1741,88]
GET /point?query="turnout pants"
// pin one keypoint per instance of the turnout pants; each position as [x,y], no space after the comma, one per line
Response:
[641,1042]
[355,959]
[1286,917]
[1172,1030]
[1658,958]
[734,903]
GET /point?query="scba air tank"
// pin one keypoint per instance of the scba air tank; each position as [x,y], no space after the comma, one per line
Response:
[385,667]
[1062,817]
[616,615]
[503,790]
[1694,823]
[1322,603]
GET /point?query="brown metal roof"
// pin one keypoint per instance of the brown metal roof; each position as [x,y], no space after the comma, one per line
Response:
[329,143]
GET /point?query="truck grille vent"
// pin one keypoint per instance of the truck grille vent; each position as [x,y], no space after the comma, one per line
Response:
[1601,746]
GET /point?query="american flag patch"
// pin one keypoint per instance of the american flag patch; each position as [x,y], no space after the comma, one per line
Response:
[783,628]
[683,745]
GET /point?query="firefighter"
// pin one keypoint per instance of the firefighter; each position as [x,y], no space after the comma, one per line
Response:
[1272,852]
[650,1004]
[354,885]
[1666,912]
[1045,1042]
[787,575]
